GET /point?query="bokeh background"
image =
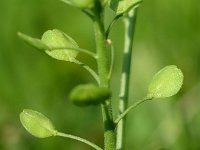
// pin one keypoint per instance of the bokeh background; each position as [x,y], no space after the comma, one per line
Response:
[167,32]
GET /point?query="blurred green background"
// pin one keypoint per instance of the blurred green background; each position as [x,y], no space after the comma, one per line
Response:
[167,32]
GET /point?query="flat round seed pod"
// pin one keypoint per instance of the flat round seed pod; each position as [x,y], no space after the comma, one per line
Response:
[59,44]
[37,124]
[167,82]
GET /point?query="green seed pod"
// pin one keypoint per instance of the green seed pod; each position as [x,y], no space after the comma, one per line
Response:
[82,3]
[89,94]
[37,124]
[167,82]
[123,6]
[57,41]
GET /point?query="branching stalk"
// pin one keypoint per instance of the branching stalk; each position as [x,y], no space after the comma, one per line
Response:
[112,23]
[122,115]
[89,14]
[90,70]
[79,139]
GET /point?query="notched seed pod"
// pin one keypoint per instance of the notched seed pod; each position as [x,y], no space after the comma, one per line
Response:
[59,44]
[167,82]
[37,124]
[89,94]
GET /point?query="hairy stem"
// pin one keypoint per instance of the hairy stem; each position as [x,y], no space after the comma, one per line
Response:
[109,137]
[125,76]
[79,139]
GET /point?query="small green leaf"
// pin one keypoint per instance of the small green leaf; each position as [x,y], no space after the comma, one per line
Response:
[57,41]
[167,82]
[36,43]
[80,3]
[37,124]
[89,94]
[122,6]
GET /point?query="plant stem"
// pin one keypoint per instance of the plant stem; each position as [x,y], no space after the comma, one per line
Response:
[79,139]
[124,90]
[111,62]
[90,70]
[109,137]
[112,23]
[122,115]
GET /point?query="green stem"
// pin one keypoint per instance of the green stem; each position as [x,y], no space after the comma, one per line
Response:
[88,13]
[112,23]
[111,62]
[79,139]
[125,76]
[109,137]
[101,48]
[122,115]
[90,70]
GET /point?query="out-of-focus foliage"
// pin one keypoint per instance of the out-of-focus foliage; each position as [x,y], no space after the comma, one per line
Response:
[167,32]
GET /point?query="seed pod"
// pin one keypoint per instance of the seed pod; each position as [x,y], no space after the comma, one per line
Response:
[89,94]
[123,6]
[37,124]
[167,82]
[59,43]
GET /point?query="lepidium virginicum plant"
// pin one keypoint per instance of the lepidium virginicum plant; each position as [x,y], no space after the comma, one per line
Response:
[57,44]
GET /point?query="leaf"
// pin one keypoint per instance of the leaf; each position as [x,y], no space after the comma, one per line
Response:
[37,124]
[57,41]
[167,82]
[89,94]
[34,42]
[123,6]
